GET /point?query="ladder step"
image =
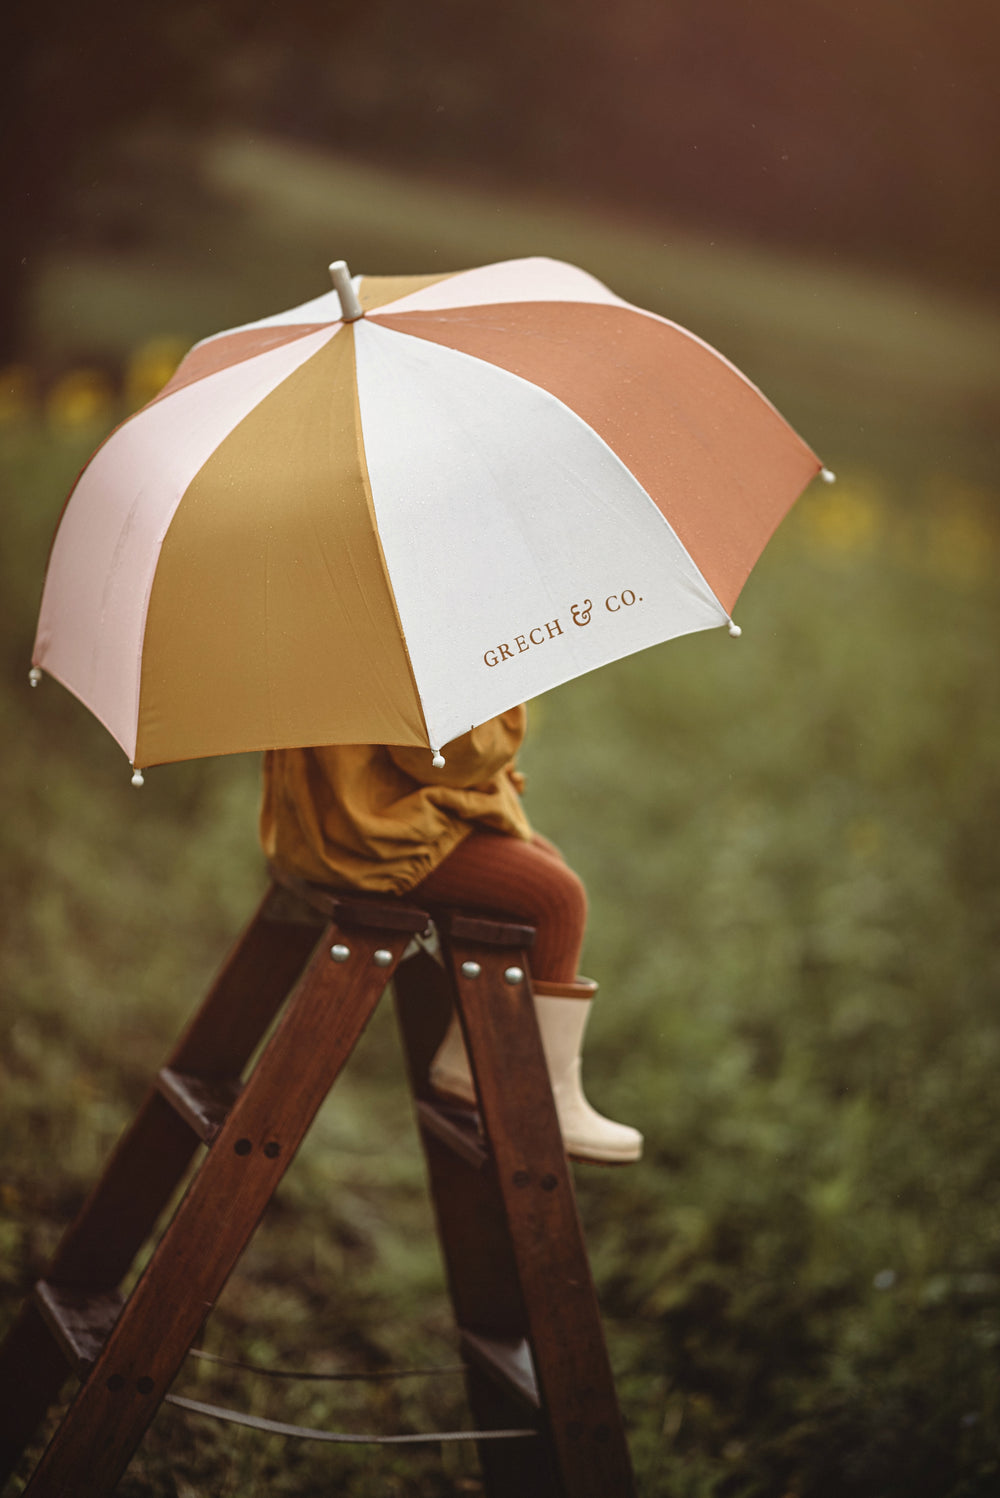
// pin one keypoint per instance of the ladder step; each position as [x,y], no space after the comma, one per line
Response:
[458,1128]
[203,1102]
[507,1360]
[80,1320]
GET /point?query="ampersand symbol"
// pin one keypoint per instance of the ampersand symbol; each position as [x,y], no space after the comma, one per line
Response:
[581,612]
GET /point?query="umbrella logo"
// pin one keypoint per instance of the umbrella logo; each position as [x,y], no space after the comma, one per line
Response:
[503,652]
[580,613]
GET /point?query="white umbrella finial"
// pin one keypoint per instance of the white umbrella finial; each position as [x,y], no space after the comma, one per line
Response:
[350,307]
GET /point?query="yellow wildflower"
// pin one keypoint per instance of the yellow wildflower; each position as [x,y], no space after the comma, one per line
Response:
[845,520]
[81,398]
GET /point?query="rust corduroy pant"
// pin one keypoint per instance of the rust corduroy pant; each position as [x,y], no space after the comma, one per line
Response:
[530,881]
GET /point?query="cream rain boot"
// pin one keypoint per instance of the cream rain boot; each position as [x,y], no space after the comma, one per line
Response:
[563,1010]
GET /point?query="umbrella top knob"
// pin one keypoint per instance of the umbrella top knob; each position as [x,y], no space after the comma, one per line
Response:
[734,630]
[350,307]
[138,778]
[438,761]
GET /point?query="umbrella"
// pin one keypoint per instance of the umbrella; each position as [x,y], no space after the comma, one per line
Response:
[394,511]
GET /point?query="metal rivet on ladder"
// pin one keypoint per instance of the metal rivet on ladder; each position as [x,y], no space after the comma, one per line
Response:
[272,1150]
[514,975]
[340,953]
[471,969]
[145,1385]
[382,957]
[243,1146]
[115,1382]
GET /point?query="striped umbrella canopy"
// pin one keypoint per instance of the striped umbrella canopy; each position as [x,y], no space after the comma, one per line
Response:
[395,511]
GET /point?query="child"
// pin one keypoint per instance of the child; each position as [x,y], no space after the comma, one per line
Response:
[381,818]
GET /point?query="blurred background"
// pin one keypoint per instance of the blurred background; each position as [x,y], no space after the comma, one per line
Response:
[791,844]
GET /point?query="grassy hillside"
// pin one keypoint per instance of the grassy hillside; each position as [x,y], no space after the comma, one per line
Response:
[790,844]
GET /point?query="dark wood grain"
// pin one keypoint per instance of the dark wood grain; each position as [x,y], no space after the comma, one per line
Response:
[534,1183]
[314,1037]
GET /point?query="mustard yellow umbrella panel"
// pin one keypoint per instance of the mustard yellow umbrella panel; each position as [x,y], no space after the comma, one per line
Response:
[391,513]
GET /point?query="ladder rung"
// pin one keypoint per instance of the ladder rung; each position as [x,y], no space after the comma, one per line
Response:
[457,1128]
[508,1360]
[371,912]
[81,1320]
[202,1102]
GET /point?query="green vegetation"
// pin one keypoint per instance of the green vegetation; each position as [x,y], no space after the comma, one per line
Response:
[790,843]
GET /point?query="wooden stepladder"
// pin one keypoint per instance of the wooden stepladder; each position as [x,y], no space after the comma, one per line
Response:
[529,1326]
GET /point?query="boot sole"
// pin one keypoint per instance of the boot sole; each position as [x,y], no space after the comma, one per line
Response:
[632,1159]
[463,1100]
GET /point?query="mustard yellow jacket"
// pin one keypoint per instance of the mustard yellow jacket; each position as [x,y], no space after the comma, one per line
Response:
[380,817]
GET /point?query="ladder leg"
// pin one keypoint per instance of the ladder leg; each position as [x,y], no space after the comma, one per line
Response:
[472,1225]
[223,1204]
[510,1469]
[154,1153]
[534,1181]
[478,1257]
[115,1221]
[150,1160]
[513,1245]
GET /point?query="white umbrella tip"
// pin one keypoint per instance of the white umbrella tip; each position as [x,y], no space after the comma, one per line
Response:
[35,675]
[138,778]
[350,307]
[734,630]
[828,476]
[438,761]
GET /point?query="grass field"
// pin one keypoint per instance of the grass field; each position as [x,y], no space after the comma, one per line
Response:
[790,843]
